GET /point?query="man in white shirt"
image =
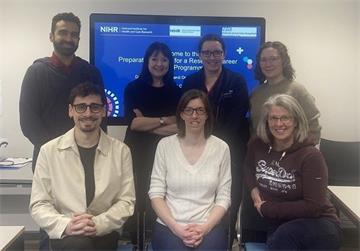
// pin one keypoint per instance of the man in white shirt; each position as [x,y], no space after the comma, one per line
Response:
[83,187]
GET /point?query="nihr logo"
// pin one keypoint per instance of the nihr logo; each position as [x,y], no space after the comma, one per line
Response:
[109,29]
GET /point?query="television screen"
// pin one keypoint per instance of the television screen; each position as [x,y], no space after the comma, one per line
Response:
[118,43]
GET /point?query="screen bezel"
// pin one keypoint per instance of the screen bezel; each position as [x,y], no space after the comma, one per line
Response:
[160,19]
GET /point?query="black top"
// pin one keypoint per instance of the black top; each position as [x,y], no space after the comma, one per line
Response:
[44,98]
[230,103]
[152,102]
[87,156]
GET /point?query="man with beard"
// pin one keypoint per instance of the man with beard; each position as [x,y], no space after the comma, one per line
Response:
[48,81]
[83,186]
[46,87]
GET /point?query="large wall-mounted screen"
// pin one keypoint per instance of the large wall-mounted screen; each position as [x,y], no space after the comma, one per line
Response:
[118,43]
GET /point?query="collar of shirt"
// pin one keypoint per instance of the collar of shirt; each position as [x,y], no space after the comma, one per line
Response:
[55,60]
[68,141]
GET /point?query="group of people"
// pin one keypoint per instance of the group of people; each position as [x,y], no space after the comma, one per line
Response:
[186,157]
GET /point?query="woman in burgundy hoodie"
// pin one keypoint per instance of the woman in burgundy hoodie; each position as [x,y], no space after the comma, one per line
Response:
[287,178]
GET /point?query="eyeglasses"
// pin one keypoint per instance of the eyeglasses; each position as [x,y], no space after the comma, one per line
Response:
[270,60]
[95,108]
[283,119]
[216,53]
[190,111]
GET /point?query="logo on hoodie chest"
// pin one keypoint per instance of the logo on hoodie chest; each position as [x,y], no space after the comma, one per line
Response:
[272,176]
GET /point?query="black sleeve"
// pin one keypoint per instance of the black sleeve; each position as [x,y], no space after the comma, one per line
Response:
[30,108]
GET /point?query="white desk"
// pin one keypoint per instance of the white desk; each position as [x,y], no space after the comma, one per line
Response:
[15,190]
[12,237]
[19,176]
[347,198]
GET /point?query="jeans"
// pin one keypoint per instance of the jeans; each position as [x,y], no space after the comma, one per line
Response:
[306,234]
[164,239]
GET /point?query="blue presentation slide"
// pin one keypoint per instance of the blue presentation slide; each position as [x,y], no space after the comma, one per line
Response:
[120,47]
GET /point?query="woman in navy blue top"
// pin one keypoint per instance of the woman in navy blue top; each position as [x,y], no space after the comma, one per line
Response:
[228,96]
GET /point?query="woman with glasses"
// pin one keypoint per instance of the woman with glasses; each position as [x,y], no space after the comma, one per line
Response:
[190,181]
[276,76]
[287,179]
[150,105]
[228,96]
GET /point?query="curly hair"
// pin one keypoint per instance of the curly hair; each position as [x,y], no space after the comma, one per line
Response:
[288,70]
[85,89]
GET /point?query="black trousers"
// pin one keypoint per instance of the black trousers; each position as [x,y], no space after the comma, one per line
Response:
[105,242]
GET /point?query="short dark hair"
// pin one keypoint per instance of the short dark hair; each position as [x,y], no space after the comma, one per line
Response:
[184,100]
[85,89]
[288,70]
[211,37]
[66,16]
[156,48]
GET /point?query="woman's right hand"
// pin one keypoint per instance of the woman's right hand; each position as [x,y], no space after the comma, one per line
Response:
[255,195]
[198,232]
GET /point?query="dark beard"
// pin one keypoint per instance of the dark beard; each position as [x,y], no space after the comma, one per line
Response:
[65,51]
[86,129]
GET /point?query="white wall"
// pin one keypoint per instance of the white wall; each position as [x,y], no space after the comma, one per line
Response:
[1,72]
[322,36]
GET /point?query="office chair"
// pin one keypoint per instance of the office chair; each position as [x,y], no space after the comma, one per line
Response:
[148,222]
[342,159]
[252,228]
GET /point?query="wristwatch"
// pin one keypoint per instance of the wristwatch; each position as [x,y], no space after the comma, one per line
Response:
[162,121]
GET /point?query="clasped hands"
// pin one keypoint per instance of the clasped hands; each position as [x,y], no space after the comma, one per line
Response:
[81,224]
[191,234]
